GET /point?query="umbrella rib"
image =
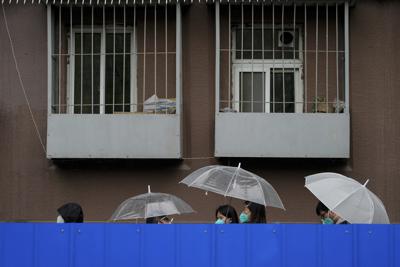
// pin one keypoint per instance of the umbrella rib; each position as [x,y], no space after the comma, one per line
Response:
[203,174]
[265,204]
[230,182]
[348,196]
[373,207]
[145,208]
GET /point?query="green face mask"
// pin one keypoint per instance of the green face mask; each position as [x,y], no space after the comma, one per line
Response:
[327,221]
[219,221]
[244,218]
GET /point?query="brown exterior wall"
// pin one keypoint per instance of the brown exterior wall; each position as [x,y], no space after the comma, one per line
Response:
[32,187]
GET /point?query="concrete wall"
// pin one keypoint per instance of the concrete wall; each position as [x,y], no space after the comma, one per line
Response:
[32,187]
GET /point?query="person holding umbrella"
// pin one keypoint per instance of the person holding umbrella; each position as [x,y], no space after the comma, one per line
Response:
[153,207]
[253,213]
[159,220]
[327,216]
[347,198]
[226,214]
[235,182]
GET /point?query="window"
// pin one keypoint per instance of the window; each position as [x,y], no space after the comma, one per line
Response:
[113,59]
[267,79]
[262,90]
[281,58]
[111,71]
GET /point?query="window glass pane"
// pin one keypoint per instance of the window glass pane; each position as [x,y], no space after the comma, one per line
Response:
[282,100]
[286,43]
[117,90]
[86,94]
[55,86]
[251,92]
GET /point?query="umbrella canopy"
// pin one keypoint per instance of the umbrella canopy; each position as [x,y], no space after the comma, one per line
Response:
[348,198]
[234,182]
[150,205]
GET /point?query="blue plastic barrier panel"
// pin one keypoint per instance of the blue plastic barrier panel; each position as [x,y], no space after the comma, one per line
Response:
[373,245]
[158,245]
[254,245]
[195,245]
[52,244]
[122,245]
[336,245]
[264,245]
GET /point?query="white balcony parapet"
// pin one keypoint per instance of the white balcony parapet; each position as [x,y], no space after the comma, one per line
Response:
[113,136]
[282,135]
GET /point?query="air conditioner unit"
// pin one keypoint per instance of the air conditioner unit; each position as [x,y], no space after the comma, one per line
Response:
[286,38]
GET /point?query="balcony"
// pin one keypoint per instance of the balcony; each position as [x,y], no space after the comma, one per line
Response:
[114,82]
[282,80]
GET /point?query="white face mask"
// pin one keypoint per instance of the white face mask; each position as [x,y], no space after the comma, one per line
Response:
[60,219]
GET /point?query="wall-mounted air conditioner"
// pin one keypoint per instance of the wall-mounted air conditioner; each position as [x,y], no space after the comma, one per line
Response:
[286,38]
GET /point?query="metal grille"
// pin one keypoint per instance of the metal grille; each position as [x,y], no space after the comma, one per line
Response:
[281,58]
[113,59]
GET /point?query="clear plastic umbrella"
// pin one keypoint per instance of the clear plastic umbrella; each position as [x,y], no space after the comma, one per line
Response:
[150,205]
[348,198]
[234,182]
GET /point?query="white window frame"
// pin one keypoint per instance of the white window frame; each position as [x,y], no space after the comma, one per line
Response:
[265,66]
[71,66]
[266,69]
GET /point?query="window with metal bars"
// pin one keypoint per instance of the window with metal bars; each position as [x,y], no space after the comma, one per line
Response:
[281,58]
[113,59]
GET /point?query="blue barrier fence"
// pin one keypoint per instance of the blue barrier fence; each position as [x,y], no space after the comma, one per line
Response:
[122,245]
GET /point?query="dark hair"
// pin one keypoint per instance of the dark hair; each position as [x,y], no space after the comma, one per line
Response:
[257,212]
[320,207]
[229,212]
[71,213]
[152,220]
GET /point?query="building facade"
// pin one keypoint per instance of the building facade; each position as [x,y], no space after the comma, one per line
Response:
[100,99]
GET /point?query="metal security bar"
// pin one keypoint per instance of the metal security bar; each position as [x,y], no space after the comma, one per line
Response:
[142,2]
[282,58]
[105,58]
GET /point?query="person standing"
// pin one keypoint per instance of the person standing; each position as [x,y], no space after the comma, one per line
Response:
[226,214]
[253,213]
[70,213]
[327,216]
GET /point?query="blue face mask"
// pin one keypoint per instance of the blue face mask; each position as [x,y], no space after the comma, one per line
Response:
[219,221]
[243,218]
[327,221]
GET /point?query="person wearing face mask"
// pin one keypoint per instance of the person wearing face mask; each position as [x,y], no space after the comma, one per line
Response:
[226,214]
[253,213]
[165,220]
[159,220]
[327,216]
[70,213]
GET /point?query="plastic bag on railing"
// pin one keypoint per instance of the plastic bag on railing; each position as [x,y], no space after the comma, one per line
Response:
[154,104]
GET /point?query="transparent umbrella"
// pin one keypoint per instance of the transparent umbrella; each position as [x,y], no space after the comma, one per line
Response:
[348,198]
[150,205]
[234,182]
